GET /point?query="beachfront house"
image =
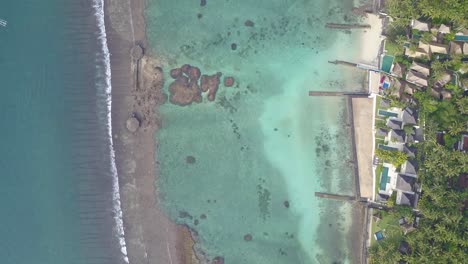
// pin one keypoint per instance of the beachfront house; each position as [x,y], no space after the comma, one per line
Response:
[420,68]
[397,88]
[416,79]
[443,29]
[418,53]
[456,47]
[421,51]
[382,197]
[418,25]
[410,151]
[406,188]
[445,78]
[394,123]
[385,103]
[382,132]
[397,136]
[398,70]
[438,48]
[409,116]
[418,74]
[416,136]
[410,167]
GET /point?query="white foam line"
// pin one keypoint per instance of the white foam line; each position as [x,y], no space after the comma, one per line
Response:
[117,209]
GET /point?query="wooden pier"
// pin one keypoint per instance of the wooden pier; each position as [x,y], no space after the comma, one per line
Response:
[346,63]
[338,197]
[361,66]
[347,26]
[326,93]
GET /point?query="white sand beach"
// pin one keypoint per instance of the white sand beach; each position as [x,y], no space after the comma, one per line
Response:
[371,40]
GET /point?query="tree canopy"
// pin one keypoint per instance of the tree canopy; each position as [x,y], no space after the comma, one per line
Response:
[448,10]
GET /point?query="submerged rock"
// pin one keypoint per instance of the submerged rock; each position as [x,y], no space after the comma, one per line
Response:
[249,23]
[210,83]
[176,73]
[184,93]
[233,46]
[186,68]
[218,260]
[286,204]
[248,237]
[190,159]
[184,214]
[194,73]
[229,81]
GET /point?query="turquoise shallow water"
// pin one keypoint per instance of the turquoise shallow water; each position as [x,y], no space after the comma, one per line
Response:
[56,190]
[264,143]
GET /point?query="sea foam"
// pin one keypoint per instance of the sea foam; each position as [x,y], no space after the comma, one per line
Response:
[98,6]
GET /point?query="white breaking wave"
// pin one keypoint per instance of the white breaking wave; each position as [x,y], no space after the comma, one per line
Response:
[98,6]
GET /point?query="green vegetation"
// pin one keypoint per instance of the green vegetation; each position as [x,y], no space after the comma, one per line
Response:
[396,158]
[441,10]
[441,236]
[393,48]
[378,172]
[392,200]
[387,222]
[444,113]
[380,123]
[408,129]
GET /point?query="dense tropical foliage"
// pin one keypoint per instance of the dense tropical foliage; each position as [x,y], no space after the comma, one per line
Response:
[442,10]
[396,158]
[441,236]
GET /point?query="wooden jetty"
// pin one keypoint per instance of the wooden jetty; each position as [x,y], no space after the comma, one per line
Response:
[338,197]
[327,93]
[346,26]
[340,62]
[361,66]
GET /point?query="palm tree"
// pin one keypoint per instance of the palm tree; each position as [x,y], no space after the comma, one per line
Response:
[462,104]
[456,128]
[400,40]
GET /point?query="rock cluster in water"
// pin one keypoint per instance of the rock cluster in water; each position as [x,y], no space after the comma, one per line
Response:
[189,85]
[190,159]
[218,260]
[228,81]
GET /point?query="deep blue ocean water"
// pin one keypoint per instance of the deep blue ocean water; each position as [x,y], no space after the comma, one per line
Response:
[56,186]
